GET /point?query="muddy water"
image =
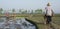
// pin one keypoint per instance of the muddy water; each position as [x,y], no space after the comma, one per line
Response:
[19,24]
[25,24]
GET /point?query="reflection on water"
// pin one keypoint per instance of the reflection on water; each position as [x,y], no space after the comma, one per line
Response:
[17,24]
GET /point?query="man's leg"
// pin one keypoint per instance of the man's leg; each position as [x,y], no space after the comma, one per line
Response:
[48,21]
[45,18]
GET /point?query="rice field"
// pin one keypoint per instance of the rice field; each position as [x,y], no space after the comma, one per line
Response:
[39,20]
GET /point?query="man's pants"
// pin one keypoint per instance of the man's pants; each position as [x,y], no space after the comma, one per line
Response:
[49,19]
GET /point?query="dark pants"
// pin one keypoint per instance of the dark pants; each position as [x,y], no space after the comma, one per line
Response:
[49,19]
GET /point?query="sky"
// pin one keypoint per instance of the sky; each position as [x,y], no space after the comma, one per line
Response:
[29,4]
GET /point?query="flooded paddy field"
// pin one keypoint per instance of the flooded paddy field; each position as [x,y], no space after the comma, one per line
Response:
[17,23]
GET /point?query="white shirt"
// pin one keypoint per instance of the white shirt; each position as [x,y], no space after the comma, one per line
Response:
[49,11]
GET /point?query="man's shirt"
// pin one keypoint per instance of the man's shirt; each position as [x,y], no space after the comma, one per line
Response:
[48,11]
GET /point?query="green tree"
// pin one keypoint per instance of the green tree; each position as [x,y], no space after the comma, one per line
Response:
[1,10]
[20,11]
[31,11]
[13,10]
[28,12]
[24,12]
[38,11]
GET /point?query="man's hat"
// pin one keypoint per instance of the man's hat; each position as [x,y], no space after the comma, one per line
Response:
[48,4]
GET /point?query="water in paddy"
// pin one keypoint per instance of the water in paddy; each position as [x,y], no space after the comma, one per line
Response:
[18,24]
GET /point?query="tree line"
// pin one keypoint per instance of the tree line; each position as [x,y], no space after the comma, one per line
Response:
[21,11]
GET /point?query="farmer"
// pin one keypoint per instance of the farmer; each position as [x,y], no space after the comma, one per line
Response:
[48,14]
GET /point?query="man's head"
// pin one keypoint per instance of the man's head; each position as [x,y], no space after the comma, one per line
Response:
[48,4]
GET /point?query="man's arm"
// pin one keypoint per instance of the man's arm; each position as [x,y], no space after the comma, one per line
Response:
[52,12]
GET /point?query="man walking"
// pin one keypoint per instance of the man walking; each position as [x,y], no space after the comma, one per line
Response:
[48,14]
